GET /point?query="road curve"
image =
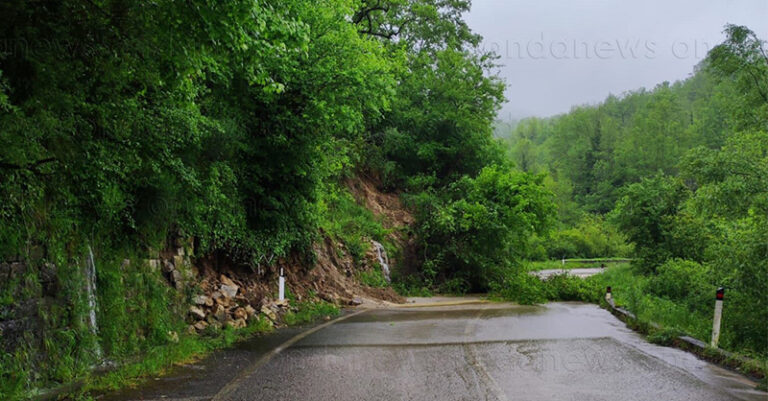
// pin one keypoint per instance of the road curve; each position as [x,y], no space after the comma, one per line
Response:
[558,351]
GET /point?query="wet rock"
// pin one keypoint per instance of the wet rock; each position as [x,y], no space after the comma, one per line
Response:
[220,299]
[201,325]
[237,323]
[177,279]
[168,266]
[221,314]
[197,312]
[203,300]
[229,291]
[227,281]
[356,301]
[250,311]
[240,313]
[49,281]
[281,304]
[228,287]
[269,313]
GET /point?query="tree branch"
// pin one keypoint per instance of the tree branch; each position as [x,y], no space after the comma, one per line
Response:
[32,167]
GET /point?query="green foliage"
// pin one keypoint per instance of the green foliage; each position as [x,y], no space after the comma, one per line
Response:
[478,225]
[373,278]
[646,213]
[309,312]
[519,286]
[516,285]
[665,336]
[681,280]
[591,237]
[344,219]
[195,127]
[410,286]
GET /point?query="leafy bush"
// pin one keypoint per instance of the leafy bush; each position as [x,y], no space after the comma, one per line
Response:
[477,226]
[520,287]
[681,280]
[563,287]
[646,214]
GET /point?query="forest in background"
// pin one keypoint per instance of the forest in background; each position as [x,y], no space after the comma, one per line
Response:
[676,177]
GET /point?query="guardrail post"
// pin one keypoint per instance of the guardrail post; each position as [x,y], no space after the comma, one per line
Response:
[281,295]
[719,295]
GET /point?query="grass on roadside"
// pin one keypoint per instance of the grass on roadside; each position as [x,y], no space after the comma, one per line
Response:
[373,278]
[309,312]
[191,348]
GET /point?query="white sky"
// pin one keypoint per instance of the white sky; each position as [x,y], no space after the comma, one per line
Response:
[557,54]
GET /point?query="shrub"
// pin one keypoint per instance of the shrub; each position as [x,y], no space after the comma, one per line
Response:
[477,226]
[681,280]
[520,287]
[591,237]
[373,278]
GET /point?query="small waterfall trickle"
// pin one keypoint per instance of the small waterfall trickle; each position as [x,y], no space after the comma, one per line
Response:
[90,287]
[383,260]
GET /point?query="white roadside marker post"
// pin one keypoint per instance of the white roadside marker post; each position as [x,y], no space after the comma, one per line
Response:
[608,295]
[281,295]
[718,316]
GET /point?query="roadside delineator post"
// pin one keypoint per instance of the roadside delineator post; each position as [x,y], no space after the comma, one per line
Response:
[608,295]
[281,295]
[719,295]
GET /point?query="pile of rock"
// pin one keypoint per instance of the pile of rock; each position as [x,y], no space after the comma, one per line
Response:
[227,306]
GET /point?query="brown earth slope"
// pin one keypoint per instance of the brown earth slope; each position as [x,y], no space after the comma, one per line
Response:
[232,294]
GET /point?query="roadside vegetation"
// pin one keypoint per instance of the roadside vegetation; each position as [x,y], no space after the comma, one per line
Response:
[675,178]
[236,124]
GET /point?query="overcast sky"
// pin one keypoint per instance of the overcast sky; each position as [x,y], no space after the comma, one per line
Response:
[557,54]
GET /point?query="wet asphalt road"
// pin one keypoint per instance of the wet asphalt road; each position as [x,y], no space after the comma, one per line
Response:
[559,351]
[579,272]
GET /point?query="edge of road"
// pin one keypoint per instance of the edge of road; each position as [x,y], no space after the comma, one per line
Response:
[421,303]
[702,350]
[441,303]
[234,383]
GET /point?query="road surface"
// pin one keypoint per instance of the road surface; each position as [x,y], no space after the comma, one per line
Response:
[578,272]
[558,351]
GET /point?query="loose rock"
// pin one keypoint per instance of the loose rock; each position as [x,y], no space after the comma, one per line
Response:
[240,313]
[249,310]
[229,291]
[221,314]
[269,313]
[237,323]
[168,266]
[197,312]
[203,300]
